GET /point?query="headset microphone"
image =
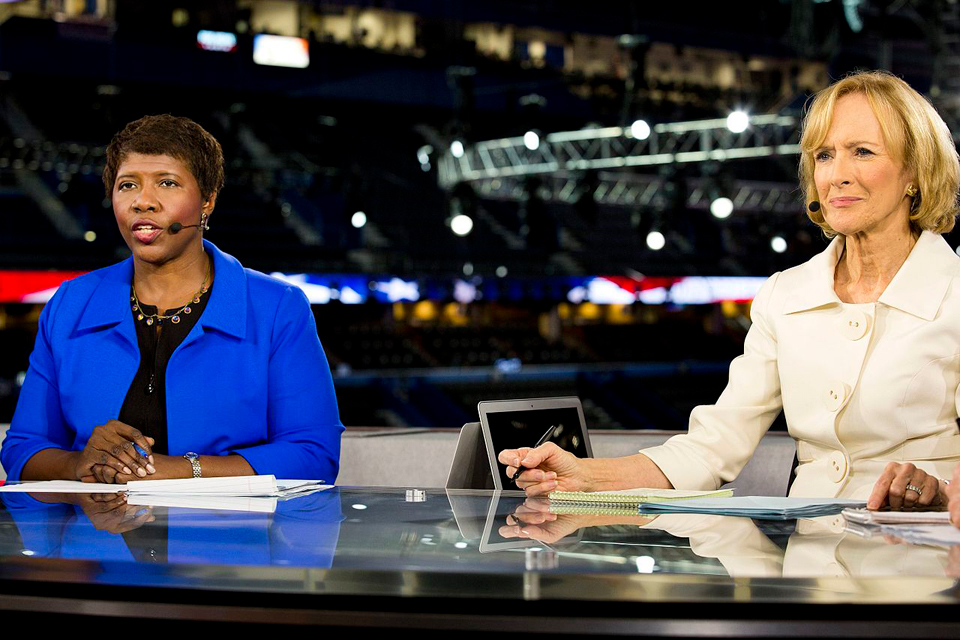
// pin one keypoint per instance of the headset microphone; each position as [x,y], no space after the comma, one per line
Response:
[814,206]
[176,227]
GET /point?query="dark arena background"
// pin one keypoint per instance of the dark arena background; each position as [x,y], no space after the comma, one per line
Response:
[482,200]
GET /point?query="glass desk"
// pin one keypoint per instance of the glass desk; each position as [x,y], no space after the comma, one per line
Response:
[440,561]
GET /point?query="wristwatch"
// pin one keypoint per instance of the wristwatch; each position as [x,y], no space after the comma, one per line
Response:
[194,461]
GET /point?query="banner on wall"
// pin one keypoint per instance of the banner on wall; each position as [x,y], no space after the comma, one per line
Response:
[320,288]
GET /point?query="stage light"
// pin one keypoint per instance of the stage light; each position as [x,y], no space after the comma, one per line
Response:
[281,51]
[90,236]
[738,121]
[640,129]
[423,153]
[501,271]
[358,220]
[531,140]
[721,208]
[461,224]
[456,148]
[778,244]
[655,240]
[468,269]
[223,41]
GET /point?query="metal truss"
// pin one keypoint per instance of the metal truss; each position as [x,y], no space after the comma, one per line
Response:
[638,190]
[615,148]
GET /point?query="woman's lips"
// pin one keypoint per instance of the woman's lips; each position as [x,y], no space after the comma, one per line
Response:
[843,202]
[146,233]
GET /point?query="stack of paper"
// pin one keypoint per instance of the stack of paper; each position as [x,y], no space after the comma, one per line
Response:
[756,507]
[211,488]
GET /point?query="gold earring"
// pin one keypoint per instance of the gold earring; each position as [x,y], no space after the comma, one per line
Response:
[911,191]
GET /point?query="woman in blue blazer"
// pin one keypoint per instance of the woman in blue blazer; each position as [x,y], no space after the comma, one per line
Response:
[176,362]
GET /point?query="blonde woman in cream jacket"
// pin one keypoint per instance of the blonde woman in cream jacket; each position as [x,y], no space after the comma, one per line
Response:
[860,346]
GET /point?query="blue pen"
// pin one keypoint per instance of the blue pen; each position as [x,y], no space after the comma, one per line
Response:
[140,450]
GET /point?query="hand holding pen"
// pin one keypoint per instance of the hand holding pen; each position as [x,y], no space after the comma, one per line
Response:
[546,436]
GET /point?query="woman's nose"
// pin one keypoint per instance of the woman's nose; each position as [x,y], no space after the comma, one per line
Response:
[840,171]
[146,200]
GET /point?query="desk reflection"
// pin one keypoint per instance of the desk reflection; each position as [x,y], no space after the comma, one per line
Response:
[816,548]
[302,531]
[454,532]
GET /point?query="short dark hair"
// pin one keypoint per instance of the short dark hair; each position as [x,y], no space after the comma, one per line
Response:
[177,137]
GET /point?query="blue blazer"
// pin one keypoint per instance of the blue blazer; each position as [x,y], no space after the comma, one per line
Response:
[250,378]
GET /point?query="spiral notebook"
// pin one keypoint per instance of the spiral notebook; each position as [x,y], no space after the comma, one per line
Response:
[630,498]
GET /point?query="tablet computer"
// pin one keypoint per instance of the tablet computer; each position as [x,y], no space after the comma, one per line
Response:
[509,424]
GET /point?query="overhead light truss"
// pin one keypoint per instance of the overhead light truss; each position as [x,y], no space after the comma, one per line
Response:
[638,190]
[612,148]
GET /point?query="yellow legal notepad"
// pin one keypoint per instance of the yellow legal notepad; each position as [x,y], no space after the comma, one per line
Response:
[631,497]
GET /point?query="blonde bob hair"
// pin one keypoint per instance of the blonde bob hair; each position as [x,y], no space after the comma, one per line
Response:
[913,131]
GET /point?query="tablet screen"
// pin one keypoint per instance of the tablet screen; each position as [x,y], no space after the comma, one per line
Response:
[514,429]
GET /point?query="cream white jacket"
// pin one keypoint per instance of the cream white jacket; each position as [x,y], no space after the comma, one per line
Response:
[860,384]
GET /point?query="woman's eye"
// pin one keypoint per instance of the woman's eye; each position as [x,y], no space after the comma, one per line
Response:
[820,156]
[167,183]
[123,186]
[863,152]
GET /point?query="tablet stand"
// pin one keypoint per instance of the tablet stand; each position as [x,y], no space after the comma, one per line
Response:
[470,468]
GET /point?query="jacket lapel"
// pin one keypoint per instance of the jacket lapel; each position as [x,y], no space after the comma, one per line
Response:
[923,280]
[816,287]
[227,308]
[109,306]
[918,288]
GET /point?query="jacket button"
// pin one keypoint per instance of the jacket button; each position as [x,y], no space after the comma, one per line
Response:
[854,324]
[836,466]
[835,395]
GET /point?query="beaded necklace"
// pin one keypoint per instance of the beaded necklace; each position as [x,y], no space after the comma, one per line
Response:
[173,317]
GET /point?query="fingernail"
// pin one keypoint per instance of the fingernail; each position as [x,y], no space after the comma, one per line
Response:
[141,512]
[151,468]
[551,475]
[141,472]
[126,470]
[151,460]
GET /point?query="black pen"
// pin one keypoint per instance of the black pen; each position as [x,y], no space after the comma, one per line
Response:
[543,438]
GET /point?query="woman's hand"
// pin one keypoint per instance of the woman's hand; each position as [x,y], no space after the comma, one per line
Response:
[533,520]
[544,469]
[903,486]
[111,446]
[110,512]
[164,468]
[953,494]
